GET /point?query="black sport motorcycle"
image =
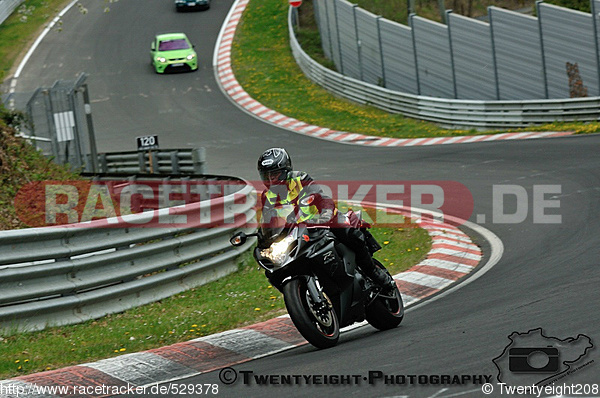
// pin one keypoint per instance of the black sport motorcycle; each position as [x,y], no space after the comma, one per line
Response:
[323,287]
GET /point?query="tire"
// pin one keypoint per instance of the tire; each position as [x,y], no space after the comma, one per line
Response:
[319,334]
[386,312]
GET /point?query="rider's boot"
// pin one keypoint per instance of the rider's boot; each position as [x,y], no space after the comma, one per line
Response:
[379,276]
[382,278]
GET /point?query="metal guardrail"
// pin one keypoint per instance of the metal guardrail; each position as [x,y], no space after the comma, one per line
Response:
[449,113]
[172,161]
[555,56]
[72,273]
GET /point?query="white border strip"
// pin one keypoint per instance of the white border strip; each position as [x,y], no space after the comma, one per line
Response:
[220,38]
[222,61]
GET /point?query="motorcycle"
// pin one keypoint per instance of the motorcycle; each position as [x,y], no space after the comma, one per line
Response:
[324,288]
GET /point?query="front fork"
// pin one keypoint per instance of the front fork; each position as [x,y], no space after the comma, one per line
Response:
[314,291]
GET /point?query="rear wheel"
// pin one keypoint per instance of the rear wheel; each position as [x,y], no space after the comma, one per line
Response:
[318,324]
[387,310]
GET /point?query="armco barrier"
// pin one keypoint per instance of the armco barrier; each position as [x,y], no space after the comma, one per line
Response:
[508,56]
[72,273]
[449,113]
[164,161]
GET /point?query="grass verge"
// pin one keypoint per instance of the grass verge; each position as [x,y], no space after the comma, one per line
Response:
[264,66]
[242,298]
[19,30]
[21,164]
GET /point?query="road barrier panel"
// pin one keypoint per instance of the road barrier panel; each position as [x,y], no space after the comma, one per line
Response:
[71,273]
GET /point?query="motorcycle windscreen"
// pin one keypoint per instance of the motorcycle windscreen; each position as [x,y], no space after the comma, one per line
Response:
[277,221]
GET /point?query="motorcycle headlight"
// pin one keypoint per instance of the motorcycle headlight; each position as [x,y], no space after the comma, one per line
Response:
[278,250]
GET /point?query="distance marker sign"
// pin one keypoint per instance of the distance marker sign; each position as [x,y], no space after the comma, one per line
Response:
[147,142]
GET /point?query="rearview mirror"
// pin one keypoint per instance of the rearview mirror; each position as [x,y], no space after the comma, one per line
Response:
[238,239]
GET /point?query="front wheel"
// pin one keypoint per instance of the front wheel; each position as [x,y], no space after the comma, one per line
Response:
[317,324]
[387,310]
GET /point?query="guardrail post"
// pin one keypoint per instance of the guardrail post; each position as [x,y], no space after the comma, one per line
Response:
[337,30]
[328,29]
[358,43]
[186,189]
[88,163]
[442,8]
[198,160]
[494,58]
[90,126]
[539,18]
[72,98]
[154,162]
[51,125]
[103,163]
[165,197]
[410,7]
[595,16]
[136,200]
[448,12]
[381,52]
[142,161]
[175,162]
[414,43]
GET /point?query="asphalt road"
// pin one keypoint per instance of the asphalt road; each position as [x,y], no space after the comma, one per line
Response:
[547,278]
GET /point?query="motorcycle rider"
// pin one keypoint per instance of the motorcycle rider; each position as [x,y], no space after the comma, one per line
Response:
[287,187]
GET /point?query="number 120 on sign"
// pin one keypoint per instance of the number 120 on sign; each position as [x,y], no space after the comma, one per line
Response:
[147,142]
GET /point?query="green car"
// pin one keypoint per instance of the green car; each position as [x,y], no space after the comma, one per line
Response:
[173,52]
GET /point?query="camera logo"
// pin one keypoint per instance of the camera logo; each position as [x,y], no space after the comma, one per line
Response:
[531,360]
